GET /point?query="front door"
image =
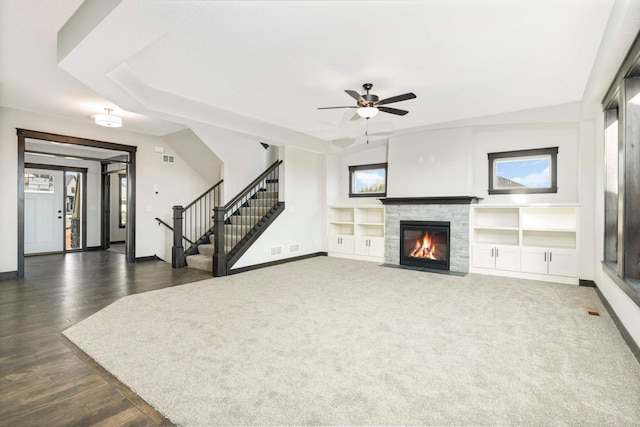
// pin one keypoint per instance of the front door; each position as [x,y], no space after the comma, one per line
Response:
[44,218]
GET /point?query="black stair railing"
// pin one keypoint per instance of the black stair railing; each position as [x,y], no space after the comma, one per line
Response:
[193,222]
[236,220]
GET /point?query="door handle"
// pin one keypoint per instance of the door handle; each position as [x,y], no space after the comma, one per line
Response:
[550,255]
[545,256]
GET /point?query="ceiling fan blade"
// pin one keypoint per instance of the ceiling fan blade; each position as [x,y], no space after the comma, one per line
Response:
[355,95]
[393,111]
[356,116]
[398,98]
[331,108]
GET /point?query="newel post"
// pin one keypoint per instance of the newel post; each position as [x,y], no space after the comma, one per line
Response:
[177,251]
[219,255]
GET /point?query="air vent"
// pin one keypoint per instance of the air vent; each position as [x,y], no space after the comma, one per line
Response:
[592,311]
[166,158]
[276,250]
[294,248]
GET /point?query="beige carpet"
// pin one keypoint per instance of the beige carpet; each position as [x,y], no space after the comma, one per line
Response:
[328,341]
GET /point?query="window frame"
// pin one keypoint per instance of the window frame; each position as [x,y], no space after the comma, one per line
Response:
[353,170]
[523,155]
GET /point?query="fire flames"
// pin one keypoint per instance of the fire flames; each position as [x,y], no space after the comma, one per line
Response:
[424,248]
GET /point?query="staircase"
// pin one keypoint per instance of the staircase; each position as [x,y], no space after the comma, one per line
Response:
[224,233]
[256,214]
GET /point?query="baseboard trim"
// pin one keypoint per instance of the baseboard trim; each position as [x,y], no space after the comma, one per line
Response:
[147,258]
[633,346]
[8,275]
[93,248]
[117,242]
[272,263]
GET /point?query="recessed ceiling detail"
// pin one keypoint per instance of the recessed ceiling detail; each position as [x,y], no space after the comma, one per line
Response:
[262,68]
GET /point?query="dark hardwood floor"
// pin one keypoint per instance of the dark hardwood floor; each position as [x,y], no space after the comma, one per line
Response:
[44,379]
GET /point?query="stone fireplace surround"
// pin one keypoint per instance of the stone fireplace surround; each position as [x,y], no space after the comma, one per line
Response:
[452,209]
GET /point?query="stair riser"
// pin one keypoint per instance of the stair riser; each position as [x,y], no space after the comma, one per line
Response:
[267,194]
[245,219]
[255,211]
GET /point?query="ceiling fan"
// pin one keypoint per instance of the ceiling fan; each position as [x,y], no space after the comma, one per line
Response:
[368,104]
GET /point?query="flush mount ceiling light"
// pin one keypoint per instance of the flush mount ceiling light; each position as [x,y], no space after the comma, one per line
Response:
[108,120]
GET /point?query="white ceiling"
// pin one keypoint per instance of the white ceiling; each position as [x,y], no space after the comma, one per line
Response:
[263,68]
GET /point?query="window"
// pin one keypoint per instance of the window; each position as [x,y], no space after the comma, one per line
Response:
[38,183]
[524,171]
[611,188]
[122,179]
[621,169]
[368,180]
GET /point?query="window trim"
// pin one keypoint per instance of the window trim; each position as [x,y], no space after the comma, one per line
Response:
[550,151]
[359,168]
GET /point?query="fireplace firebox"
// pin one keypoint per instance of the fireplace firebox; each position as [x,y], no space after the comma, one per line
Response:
[425,244]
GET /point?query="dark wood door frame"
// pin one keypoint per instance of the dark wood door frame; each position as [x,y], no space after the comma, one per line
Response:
[105,209]
[23,134]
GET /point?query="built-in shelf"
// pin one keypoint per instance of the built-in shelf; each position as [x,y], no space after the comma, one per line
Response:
[538,242]
[356,232]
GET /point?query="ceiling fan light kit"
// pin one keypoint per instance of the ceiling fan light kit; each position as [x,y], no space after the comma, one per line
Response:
[368,104]
[367,112]
[108,120]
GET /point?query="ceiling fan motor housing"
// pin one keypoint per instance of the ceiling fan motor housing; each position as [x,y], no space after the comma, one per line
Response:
[368,100]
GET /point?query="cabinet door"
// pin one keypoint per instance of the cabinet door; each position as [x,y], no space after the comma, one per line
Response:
[361,246]
[563,262]
[376,247]
[333,244]
[507,258]
[346,244]
[483,256]
[534,260]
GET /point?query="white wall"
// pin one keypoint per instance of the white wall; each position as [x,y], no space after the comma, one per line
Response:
[177,183]
[338,171]
[303,221]
[243,157]
[197,154]
[493,139]
[432,163]
[587,196]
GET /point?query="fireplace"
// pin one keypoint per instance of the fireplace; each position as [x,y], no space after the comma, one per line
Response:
[425,244]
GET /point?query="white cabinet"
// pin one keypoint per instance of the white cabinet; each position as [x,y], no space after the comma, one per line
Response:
[496,257]
[369,246]
[356,232]
[341,244]
[535,242]
[559,262]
